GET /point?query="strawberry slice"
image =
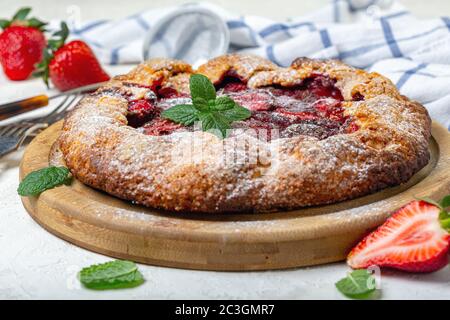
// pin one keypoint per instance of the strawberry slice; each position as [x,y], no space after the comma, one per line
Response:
[412,239]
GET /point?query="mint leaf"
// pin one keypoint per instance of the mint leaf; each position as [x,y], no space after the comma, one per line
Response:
[445,202]
[201,104]
[358,284]
[224,103]
[131,280]
[186,114]
[216,123]
[115,274]
[201,87]
[216,114]
[43,179]
[237,113]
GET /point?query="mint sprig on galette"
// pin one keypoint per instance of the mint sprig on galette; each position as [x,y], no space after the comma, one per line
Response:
[215,113]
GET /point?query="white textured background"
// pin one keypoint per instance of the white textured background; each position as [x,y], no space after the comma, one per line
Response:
[35,264]
[277,9]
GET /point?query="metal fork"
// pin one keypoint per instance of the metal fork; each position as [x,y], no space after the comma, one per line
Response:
[13,135]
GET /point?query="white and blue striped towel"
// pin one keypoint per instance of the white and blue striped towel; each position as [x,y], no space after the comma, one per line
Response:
[376,35]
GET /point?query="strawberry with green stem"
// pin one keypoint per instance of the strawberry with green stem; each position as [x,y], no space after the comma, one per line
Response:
[69,65]
[415,238]
[21,44]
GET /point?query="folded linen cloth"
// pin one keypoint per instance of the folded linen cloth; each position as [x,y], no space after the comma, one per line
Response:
[377,35]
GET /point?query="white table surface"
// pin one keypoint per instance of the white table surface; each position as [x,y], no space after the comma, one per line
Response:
[34,264]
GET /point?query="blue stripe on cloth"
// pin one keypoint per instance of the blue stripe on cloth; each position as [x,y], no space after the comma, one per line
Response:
[408,73]
[283,27]
[359,51]
[426,74]
[115,55]
[389,36]
[90,26]
[310,25]
[396,15]
[160,37]
[271,55]
[141,21]
[235,24]
[325,37]
[273,28]
[447,22]
[366,49]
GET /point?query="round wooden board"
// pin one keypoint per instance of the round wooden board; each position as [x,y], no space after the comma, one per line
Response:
[316,235]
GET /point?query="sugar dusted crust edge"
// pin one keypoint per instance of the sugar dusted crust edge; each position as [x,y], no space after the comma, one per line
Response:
[391,145]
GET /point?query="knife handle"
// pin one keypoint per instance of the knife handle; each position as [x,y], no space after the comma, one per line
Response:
[14,108]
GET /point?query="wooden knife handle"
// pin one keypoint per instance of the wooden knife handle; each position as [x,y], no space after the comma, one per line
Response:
[10,109]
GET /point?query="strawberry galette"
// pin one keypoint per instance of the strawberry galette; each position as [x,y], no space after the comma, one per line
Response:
[313,133]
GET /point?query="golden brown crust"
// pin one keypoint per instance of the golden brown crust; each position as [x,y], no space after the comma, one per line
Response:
[235,65]
[155,70]
[166,172]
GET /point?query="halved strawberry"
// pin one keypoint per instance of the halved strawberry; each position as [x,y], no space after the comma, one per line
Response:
[412,239]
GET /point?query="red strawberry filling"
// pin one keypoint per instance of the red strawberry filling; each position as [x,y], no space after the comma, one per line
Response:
[140,112]
[160,127]
[169,93]
[313,109]
[234,87]
[254,100]
[323,86]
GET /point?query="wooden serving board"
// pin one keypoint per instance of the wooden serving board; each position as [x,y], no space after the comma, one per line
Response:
[316,235]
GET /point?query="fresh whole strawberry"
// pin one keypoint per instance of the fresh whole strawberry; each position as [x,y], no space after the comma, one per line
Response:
[21,45]
[70,65]
[415,239]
